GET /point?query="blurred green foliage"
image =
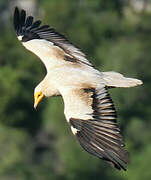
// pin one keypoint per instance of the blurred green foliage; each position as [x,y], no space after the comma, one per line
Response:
[38,145]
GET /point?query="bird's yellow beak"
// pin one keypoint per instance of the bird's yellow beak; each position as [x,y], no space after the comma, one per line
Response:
[37,98]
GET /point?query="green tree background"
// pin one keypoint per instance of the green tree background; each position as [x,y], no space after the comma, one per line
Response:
[38,145]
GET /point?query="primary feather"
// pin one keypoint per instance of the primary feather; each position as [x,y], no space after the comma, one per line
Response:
[88,107]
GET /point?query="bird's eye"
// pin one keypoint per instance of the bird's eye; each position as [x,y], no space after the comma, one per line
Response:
[38,95]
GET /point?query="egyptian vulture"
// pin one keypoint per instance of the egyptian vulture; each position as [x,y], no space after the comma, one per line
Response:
[89,109]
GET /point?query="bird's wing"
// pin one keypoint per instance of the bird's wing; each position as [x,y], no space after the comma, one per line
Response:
[92,117]
[28,30]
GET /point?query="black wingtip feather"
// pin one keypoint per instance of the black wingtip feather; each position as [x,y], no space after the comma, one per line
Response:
[16,19]
[24,26]
[29,21]
[35,25]
[22,17]
[19,20]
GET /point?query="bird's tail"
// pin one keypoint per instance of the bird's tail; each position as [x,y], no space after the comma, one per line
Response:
[114,79]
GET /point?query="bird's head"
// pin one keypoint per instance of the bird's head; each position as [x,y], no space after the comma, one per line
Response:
[39,94]
[43,89]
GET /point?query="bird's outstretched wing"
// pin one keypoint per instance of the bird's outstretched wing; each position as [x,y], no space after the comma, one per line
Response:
[27,29]
[92,117]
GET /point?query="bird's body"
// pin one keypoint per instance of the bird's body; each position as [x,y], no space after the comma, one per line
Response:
[88,106]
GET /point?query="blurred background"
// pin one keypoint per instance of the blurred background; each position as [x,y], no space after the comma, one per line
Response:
[38,144]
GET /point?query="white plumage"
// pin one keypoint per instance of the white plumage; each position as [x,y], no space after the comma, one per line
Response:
[88,107]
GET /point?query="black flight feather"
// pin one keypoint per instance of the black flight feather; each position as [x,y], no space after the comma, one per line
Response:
[16,20]
[100,135]
[29,21]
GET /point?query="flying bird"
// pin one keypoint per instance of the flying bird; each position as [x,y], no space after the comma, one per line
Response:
[89,109]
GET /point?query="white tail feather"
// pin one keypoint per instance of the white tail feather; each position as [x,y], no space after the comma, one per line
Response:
[114,79]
